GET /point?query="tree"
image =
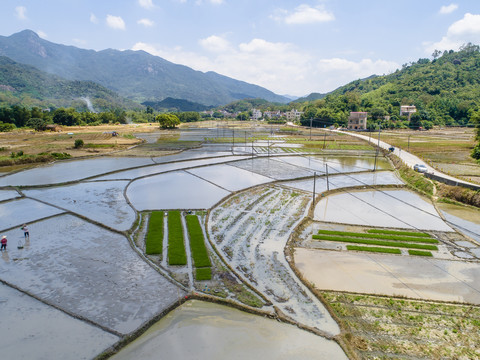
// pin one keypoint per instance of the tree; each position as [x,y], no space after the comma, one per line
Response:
[189,116]
[436,53]
[36,124]
[167,121]
[415,121]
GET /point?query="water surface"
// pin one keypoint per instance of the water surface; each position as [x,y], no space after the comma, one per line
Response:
[199,330]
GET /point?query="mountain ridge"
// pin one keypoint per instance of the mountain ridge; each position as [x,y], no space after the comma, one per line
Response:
[144,77]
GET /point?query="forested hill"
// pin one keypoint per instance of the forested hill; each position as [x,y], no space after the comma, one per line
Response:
[136,75]
[26,85]
[445,90]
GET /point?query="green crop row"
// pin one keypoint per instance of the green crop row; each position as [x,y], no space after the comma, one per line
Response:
[203,273]
[379,236]
[374,249]
[394,232]
[419,253]
[197,242]
[176,246]
[154,240]
[375,242]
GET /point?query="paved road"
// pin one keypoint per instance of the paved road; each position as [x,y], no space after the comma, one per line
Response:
[409,159]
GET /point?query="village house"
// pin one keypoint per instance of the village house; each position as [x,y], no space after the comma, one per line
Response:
[357,120]
[407,110]
[293,115]
[256,114]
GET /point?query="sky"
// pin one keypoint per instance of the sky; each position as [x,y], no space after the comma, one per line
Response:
[289,47]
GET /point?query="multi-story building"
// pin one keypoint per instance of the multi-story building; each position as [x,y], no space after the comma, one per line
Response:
[357,120]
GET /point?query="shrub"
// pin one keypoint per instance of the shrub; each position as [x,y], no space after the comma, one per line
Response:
[78,144]
[176,246]
[154,240]
[6,127]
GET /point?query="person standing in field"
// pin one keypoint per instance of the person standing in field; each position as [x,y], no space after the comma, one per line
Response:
[25,231]
[4,243]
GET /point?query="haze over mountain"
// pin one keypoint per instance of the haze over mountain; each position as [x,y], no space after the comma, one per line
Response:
[26,85]
[136,75]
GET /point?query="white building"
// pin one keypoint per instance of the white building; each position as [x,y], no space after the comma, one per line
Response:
[293,115]
[407,110]
[357,120]
[256,114]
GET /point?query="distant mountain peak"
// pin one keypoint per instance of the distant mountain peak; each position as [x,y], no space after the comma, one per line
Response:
[136,75]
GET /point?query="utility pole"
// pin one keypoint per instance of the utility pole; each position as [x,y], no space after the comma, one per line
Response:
[314,181]
[378,148]
[311,129]
[233,136]
[268,147]
[326,173]
[324,138]
[409,143]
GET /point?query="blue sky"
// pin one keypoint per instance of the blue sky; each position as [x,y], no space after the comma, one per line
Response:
[289,47]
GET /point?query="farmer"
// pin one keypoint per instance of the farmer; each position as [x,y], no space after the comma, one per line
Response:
[4,243]
[25,231]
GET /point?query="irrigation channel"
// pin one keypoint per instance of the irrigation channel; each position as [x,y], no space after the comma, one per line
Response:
[86,270]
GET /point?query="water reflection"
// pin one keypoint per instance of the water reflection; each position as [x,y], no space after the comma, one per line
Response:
[199,330]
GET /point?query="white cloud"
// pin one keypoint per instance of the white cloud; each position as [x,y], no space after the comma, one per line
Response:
[42,34]
[460,32]
[214,43]
[146,22]
[21,12]
[213,2]
[80,42]
[336,72]
[146,4]
[115,22]
[93,18]
[304,14]
[447,9]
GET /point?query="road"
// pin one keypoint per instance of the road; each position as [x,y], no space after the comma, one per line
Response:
[409,159]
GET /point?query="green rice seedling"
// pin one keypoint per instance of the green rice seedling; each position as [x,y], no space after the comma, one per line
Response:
[176,246]
[374,242]
[374,249]
[197,242]
[419,253]
[203,273]
[379,236]
[154,240]
[395,232]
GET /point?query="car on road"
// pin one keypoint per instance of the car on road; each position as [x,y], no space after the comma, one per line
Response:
[420,168]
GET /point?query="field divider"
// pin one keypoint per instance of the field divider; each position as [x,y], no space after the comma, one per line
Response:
[378,236]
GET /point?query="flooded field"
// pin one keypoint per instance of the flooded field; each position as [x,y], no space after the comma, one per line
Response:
[103,202]
[388,208]
[419,278]
[17,212]
[88,271]
[207,331]
[67,171]
[81,271]
[465,220]
[251,230]
[175,190]
[36,328]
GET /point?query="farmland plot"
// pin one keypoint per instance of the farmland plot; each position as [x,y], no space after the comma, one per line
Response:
[251,230]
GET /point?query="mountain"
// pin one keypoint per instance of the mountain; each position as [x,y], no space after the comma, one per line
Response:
[173,105]
[136,75]
[29,86]
[311,97]
[444,90]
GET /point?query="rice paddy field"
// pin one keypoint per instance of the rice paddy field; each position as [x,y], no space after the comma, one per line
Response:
[119,246]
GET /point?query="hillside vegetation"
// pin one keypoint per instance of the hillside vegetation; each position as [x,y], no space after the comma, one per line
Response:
[28,86]
[445,90]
